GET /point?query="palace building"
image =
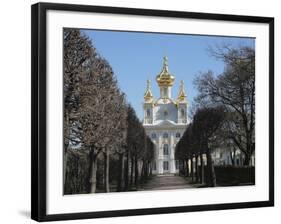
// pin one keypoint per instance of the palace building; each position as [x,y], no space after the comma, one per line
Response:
[165,120]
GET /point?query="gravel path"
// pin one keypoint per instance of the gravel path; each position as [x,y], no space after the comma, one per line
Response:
[165,182]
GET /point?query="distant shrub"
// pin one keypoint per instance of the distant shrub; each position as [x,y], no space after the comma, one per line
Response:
[235,175]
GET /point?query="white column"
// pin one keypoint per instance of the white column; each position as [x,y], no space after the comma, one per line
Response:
[160,156]
[172,154]
[165,92]
[160,166]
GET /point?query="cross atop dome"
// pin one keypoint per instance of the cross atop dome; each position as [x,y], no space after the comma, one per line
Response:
[165,78]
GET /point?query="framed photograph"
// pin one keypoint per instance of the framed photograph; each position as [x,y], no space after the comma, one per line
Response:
[140,111]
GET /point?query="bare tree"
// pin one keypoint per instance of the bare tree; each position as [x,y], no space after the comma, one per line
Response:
[97,93]
[235,90]
[98,123]
[77,49]
[198,139]
[118,134]
[206,122]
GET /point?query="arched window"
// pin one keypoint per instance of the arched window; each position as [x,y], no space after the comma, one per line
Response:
[165,149]
[178,135]
[148,112]
[153,135]
[165,135]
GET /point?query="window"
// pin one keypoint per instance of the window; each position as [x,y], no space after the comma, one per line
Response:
[178,135]
[153,135]
[148,112]
[166,165]
[165,135]
[166,149]
[182,113]
[165,113]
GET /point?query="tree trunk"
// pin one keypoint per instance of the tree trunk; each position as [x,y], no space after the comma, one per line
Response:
[182,170]
[93,172]
[146,169]
[247,160]
[187,167]
[132,171]
[201,169]
[127,171]
[65,160]
[120,185]
[66,145]
[136,172]
[192,169]
[196,169]
[106,170]
[143,170]
[211,170]
[232,156]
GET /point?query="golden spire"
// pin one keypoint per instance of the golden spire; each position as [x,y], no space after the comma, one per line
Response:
[148,94]
[165,78]
[182,95]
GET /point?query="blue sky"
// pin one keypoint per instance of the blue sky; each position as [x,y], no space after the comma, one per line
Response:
[136,57]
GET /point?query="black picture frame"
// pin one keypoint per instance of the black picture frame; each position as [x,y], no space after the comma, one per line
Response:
[39,114]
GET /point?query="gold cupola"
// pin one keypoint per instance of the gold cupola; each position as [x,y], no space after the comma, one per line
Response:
[181,95]
[148,93]
[165,78]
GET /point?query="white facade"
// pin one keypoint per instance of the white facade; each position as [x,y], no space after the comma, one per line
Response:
[165,120]
[227,157]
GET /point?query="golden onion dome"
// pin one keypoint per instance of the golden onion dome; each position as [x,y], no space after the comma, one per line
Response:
[165,78]
[148,94]
[182,95]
